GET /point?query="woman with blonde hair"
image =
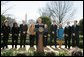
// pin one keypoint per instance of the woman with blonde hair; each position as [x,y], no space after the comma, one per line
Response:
[60,35]
[32,34]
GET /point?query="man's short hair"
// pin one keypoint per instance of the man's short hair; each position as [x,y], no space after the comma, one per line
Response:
[53,20]
[76,21]
[40,19]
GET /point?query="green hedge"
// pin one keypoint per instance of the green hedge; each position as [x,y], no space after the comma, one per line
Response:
[12,52]
[31,53]
[48,42]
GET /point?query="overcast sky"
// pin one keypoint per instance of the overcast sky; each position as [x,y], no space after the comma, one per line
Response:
[20,8]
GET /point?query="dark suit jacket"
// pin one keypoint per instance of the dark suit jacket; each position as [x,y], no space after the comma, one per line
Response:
[53,28]
[76,31]
[5,30]
[36,27]
[67,30]
[23,28]
[15,30]
[45,32]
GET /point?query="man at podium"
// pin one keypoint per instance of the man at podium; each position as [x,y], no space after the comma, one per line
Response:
[39,28]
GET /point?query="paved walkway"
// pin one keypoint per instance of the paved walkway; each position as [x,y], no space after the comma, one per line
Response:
[46,49]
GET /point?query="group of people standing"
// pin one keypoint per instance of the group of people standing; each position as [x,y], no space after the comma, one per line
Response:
[56,33]
[15,30]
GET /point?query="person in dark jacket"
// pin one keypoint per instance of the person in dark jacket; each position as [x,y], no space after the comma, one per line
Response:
[36,30]
[23,33]
[39,28]
[67,32]
[5,31]
[53,33]
[39,24]
[75,34]
[15,32]
[45,35]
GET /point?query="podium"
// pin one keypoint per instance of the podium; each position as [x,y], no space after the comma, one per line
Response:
[40,29]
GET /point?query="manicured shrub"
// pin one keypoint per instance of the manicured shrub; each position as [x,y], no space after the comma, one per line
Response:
[30,53]
[39,54]
[7,53]
[62,53]
[21,54]
[75,52]
[35,53]
[50,54]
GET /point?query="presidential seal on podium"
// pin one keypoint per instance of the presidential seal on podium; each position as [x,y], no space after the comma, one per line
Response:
[41,29]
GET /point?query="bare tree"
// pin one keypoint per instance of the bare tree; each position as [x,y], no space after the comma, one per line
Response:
[31,21]
[61,11]
[11,21]
[3,4]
